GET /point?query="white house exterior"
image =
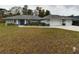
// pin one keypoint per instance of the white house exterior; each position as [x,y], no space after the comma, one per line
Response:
[60,22]
[50,20]
[22,20]
[55,20]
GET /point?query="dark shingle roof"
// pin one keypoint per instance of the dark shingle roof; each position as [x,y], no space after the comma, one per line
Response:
[39,18]
[57,17]
[24,17]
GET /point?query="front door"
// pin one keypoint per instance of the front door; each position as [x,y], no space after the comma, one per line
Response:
[21,22]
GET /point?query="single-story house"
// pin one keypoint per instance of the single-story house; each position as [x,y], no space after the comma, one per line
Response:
[50,20]
[23,20]
[56,20]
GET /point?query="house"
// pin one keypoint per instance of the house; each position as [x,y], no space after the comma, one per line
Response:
[23,20]
[56,20]
[50,20]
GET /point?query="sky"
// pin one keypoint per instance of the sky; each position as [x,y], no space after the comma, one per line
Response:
[54,9]
[57,9]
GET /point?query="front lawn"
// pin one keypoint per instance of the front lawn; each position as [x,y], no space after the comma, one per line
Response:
[37,40]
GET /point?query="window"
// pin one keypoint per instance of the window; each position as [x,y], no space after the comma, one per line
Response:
[63,22]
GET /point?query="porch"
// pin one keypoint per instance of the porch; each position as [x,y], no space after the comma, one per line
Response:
[31,22]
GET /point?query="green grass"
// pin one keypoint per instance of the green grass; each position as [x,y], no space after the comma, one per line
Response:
[37,40]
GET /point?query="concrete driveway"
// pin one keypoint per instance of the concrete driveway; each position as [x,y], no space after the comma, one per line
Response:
[73,28]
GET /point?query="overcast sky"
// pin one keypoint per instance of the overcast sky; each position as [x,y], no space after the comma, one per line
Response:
[54,9]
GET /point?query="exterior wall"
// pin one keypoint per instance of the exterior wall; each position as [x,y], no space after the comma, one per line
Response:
[58,22]
[51,22]
[45,21]
[17,22]
[55,22]
[9,21]
[68,22]
[12,22]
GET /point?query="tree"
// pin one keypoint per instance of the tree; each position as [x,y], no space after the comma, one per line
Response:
[2,11]
[37,11]
[14,10]
[25,10]
[30,12]
[18,13]
[38,8]
[47,12]
[71,15]
[42,13]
